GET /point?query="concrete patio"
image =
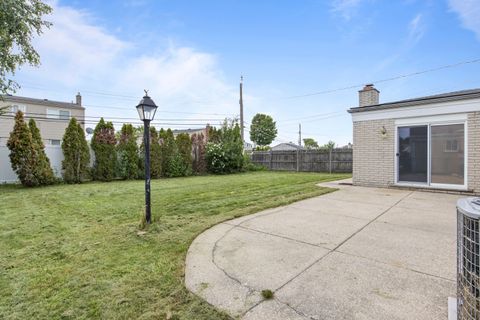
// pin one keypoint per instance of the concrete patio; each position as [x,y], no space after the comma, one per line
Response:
[357,253]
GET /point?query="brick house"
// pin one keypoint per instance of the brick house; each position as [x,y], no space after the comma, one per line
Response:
[427,142]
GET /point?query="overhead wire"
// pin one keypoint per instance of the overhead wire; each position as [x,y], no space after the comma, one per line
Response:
[453,65]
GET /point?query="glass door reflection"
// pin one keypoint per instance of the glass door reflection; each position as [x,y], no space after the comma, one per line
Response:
[413,154]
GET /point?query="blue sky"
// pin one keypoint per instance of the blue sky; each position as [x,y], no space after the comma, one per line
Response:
[190,55]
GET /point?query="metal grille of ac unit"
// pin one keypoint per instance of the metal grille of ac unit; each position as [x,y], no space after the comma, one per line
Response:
[468,262]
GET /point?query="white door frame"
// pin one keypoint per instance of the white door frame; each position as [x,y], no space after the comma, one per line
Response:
[429,122]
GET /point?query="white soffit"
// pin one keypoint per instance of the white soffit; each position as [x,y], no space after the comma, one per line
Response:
[434,109]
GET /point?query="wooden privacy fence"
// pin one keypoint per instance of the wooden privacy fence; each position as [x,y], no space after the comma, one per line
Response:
[336,160]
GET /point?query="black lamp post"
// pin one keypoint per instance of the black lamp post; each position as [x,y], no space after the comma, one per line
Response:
[146,110]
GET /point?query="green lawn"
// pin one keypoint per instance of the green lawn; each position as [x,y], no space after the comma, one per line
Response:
[73,251]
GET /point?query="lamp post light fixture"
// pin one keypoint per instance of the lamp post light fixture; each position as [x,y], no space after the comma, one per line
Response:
[146,111]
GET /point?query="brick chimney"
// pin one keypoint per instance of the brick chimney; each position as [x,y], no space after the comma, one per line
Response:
[368,96]
[78,99]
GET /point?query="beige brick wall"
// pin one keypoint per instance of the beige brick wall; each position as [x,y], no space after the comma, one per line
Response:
[374,157]
[373,153]
[474,151]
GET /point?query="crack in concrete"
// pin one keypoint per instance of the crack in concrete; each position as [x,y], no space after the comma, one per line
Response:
[335,249]
[281,237]
[344,241]
[396,266]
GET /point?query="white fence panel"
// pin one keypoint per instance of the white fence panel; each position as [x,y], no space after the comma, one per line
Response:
[54,153]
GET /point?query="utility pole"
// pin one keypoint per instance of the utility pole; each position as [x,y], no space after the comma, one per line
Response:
[241,109]
[300,134]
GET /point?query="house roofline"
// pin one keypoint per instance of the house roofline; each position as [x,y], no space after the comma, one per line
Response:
[445,97]
[44,102]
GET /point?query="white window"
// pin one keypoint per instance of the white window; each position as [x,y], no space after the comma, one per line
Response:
[15,108]
[64,114]
[54,142]
[58,114]
[451,145]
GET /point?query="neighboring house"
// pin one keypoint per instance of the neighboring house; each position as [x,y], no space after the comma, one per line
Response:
[247,146]
[427,142]
[288,146]
[191,132]
[52,119]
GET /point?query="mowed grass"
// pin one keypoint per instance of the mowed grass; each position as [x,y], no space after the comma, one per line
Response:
[74,252]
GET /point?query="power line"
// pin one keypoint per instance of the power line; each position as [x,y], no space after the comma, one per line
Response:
[127,98]
[448,66]
[161,111]
[88,121]
[311,116]
[125,118]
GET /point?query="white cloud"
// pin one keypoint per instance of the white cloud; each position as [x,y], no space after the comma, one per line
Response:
[77,53]
[345,8]
[468,12]
[416,29]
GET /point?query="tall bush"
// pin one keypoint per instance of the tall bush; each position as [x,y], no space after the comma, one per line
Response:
[156,157]
[23,155]
[103,145]
[172,165]
[225,153]
[76,154]
[199,164]
[43,170]
[155,154]
[184,146]
[127,152]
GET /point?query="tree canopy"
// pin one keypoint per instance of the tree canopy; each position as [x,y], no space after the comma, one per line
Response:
[20,21]
[263,129]
[330,145]
[310,143]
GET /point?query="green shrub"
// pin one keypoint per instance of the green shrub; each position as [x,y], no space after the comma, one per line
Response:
[43,170]
[25,154]
[172,164]
[76,154]
[155,154]
[127,153]
[199,165]
[103,145]
[248,165]
[184,146]
[225,153]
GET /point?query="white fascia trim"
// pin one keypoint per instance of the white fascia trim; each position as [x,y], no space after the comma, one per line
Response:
[446,118]
[433,109]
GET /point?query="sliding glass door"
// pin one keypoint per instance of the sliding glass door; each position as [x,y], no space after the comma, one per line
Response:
[448,154]
[431,154]
[413,154]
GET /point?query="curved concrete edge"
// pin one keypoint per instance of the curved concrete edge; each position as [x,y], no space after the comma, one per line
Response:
[221,289]
[231,296]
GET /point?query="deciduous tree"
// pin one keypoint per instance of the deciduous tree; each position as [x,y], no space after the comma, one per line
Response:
[20,21]
[310,143]
[263,129]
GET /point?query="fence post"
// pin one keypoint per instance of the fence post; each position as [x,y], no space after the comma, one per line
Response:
[298,160]
[330,161]
[271,159]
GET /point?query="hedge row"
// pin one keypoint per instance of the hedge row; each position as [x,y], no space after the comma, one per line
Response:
[120,156]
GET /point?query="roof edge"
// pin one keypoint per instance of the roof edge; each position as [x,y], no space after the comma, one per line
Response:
[445,97]
[45,102]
